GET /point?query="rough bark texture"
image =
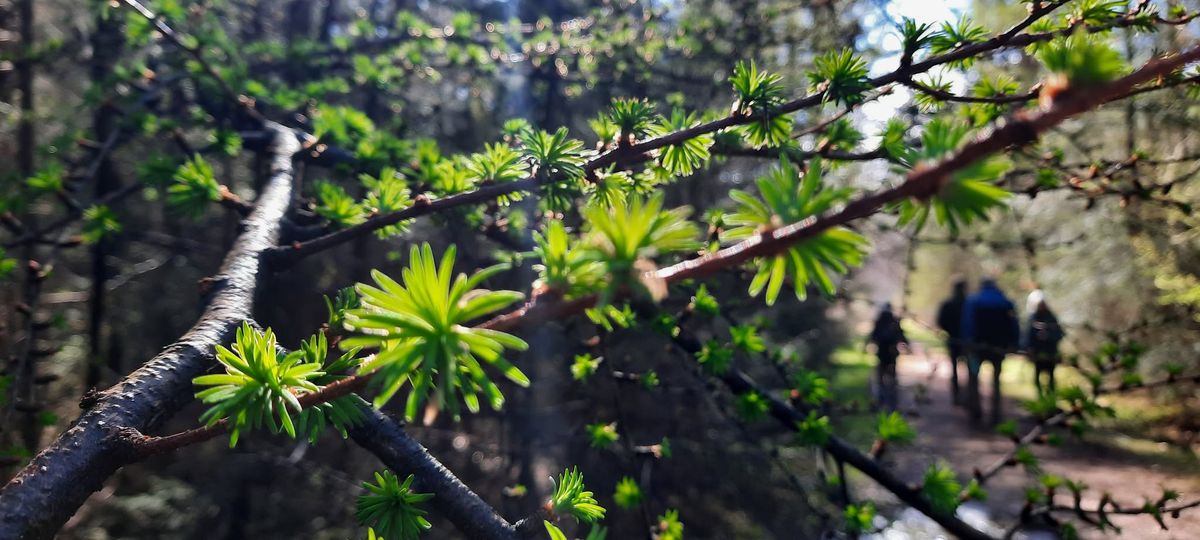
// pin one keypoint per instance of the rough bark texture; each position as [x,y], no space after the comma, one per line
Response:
[474,517]
[47,492]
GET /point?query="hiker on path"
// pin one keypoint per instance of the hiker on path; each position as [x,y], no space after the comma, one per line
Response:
[949,319]
[1042,336]
[990,330]
[1036,296]
[887,337]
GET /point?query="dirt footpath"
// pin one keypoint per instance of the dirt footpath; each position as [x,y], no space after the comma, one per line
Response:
[1129,469]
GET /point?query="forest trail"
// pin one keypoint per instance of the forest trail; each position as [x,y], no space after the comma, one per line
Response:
[1130,469]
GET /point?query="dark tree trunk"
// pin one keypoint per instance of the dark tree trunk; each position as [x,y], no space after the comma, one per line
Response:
[24,65]
[298,27]
[328,19]
[107,42]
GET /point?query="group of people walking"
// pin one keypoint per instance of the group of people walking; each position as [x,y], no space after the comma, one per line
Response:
[980,327]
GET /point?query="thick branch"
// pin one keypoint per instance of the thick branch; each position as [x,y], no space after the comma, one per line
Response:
[37,501]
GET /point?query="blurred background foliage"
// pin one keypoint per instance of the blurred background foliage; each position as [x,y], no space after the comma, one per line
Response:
[403,83]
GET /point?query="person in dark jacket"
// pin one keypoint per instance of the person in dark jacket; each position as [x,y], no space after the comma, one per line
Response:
[990,330]
[887,337]
[949,319]
[1042,337]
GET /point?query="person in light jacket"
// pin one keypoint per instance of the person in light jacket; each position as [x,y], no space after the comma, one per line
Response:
[1042,336]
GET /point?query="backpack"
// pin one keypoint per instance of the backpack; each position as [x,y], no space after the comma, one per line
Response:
[1044,334]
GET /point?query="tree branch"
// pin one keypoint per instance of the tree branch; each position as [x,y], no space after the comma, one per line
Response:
[925,181]
[36,502]
[383,436]
[178,41]
[41,497]
[841,450]
[284,256]
[475,518]
[799,155]
[942,95]
[922,183]
[1032,435]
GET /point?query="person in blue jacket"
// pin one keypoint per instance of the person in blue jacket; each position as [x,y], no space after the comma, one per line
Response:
[990,330]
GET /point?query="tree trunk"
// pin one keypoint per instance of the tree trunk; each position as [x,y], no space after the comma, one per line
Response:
[107,42]
[328,19]
[25,135]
